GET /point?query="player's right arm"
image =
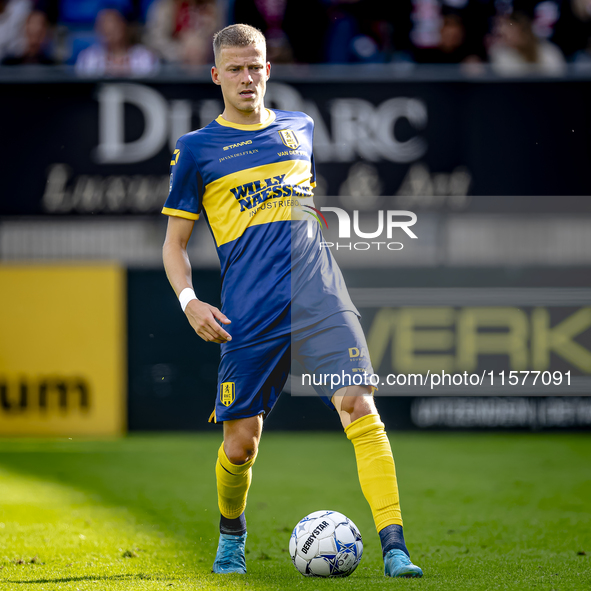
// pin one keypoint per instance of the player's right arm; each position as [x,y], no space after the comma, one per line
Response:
[183,206]
[202,316]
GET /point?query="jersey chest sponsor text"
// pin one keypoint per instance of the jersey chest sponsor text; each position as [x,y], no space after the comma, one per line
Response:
[252,194]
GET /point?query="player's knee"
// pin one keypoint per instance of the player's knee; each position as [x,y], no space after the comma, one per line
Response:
[241,439]
[363,407]
[240,451]
[358,402]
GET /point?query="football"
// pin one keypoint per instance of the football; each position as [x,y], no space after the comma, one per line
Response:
[325,544]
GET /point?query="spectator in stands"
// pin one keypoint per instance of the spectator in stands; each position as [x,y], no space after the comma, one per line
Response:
[50,8]
[516,49]
[452,47]
[268,16]
[13,14]
[195,50]
[294,29]
[115,55]
[180,31]
[573,30]
[36,37]
[360,30]
[445,31]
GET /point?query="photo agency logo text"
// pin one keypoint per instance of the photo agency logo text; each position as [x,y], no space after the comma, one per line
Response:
[387,222]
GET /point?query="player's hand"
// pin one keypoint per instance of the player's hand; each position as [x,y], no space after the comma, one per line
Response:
[204,320]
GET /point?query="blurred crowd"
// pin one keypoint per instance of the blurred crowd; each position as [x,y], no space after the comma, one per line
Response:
[135,37]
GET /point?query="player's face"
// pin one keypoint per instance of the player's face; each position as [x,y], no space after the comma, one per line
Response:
[242,72]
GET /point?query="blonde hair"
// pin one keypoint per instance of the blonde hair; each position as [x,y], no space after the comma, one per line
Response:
[237,36]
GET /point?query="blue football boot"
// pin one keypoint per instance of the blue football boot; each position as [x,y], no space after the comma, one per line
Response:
[398,564]
[230,555]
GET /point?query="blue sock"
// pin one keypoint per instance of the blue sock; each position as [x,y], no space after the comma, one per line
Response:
[392,537]
[233,527]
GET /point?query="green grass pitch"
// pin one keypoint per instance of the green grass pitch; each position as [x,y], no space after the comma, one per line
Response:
[482,511]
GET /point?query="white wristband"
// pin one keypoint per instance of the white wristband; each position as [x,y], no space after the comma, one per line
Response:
[186,296]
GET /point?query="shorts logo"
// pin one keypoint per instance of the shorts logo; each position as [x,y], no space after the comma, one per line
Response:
[288,137]
[227,393]
[355,353]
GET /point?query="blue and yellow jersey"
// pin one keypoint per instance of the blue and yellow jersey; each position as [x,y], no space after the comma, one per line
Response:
[250,182]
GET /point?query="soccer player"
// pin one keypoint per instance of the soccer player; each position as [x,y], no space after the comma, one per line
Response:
[251,172]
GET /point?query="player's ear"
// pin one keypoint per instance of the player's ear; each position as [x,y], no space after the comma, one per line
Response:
[268,68]
[215,75]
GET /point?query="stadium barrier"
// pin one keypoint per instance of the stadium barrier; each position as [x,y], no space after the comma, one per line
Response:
[394,141]
[62,351]
[505,322]
[494,169]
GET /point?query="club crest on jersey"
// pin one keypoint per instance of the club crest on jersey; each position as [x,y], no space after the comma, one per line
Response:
[227,393]
[288,137]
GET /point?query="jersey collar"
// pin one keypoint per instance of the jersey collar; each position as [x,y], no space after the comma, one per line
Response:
[254,127]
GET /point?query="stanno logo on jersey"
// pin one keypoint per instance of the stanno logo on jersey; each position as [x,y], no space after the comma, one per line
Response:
[227,393]
[175,157]
[238,145]
[288,137]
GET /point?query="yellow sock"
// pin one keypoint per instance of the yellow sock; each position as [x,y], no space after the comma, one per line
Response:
[377,473]
[233,483]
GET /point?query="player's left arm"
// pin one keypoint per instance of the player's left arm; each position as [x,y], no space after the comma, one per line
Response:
[203,317]
[183,206]
[174,253]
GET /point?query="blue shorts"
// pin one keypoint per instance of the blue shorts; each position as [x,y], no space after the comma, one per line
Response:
[251,379]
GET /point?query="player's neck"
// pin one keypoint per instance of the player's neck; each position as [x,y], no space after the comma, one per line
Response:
[245,118]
